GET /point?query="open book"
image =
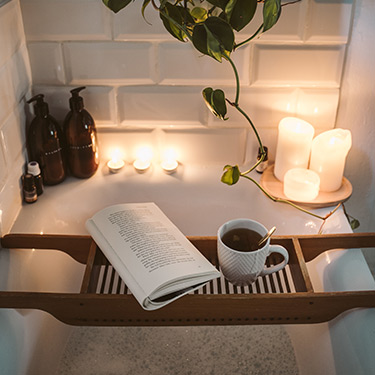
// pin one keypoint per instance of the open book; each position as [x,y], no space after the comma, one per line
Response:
[154,259]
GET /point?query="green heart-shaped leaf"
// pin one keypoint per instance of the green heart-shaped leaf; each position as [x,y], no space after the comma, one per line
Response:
[174,15]
[213,37]
[199,39]
[231,175]
[214,48]
[207,96]
[215,101]
[116,5]
[222,31]
[271,13]
[354,223]
[240,12]
[219,103]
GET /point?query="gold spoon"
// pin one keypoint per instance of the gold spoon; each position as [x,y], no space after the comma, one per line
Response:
[267,236]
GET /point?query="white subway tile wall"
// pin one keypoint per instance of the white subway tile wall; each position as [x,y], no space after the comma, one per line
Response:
[19,71]
[15,85]
[99,99]
[143,86]
[46,61]
[113,63]
[290,27]
[304,65]
[318,106]
[196,69]
[161,106]
[329,21]
[130,25]
[14,136]
[10,42]
[66,20]
[153,80]
[207,144]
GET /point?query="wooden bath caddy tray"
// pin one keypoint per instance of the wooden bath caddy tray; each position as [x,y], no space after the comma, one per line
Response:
[286,297]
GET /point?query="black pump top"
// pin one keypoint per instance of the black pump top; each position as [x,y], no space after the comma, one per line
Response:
[40,107]
[76,101]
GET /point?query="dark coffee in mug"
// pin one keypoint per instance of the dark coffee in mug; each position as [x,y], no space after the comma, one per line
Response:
[242,239]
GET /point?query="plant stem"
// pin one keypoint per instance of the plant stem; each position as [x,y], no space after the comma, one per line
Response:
[258,139]
[328,215]
[239,109]
[260,28]
[235,104]
[281,200]
[249,39]
[291,2]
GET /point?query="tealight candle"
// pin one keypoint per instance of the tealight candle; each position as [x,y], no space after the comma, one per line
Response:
[141,165]
[115,164]
[169,166]
[143,159]
[328,156]
[169,163]
[293,145]
[301,184]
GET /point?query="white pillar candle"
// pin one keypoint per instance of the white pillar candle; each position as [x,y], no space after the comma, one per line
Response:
[328,155]
[301,184]
[293,145]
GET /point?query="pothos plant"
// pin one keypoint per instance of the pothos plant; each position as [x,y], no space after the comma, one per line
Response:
[211,27]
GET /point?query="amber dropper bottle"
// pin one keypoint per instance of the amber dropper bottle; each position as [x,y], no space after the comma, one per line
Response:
[29,188]
[33,169]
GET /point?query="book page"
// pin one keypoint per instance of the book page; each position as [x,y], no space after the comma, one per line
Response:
[150,241]
[149,244]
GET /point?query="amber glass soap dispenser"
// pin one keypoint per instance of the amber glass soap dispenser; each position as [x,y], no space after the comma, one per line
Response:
[80,134]
[45,143]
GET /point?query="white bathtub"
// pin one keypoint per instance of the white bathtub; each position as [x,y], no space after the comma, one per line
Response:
[33,342]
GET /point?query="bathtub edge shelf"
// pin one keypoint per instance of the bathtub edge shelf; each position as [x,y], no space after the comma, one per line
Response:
[287,297]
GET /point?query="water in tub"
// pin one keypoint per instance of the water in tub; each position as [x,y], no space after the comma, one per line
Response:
[198,204]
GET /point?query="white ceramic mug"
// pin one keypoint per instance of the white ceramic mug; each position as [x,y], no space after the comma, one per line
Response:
[243,268]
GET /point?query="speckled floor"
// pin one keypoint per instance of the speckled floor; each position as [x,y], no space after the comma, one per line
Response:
[249,350]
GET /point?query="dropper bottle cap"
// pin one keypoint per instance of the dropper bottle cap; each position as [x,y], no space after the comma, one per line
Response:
[33,168]
[76,101]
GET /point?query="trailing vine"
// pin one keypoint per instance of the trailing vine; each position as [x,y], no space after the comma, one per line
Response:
[210,25]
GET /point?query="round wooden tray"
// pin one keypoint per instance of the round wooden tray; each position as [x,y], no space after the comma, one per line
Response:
[275,187]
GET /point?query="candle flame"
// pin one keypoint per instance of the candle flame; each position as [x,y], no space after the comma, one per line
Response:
[116,155]
[144,154]
[170,155]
